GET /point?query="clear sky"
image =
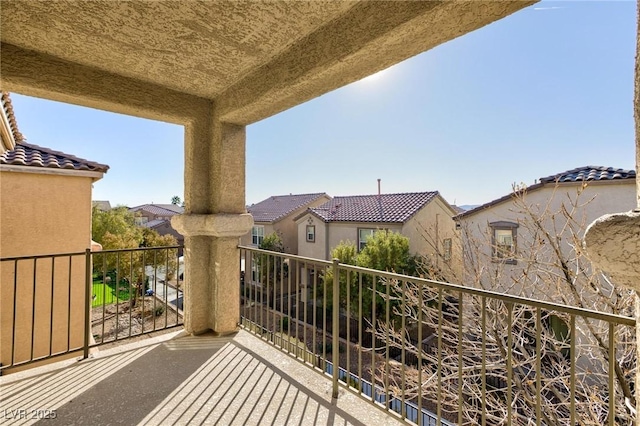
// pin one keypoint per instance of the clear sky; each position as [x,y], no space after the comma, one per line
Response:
[547,89]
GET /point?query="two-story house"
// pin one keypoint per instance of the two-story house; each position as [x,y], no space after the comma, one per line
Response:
[424,217]
[529,241]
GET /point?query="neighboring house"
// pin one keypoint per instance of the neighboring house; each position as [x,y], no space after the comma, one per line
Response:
[148,212]
[498,241]
[102,205]
[45,205]
[424,217]
[276,214]
[158,218]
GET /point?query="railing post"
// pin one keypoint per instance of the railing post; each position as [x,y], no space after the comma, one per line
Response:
[87,303]
[335,329]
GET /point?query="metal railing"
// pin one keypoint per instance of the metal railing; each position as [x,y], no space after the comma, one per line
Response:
[439,353]
[64,303]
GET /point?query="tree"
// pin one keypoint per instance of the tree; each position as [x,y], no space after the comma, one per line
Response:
[116,230]
[117,221]
[551,258]
[271,269]
[176,200]
[384,251]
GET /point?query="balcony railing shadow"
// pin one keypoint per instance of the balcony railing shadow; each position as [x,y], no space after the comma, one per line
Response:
[182,380]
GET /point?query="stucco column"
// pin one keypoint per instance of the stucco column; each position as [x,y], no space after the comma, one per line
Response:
[613,241]
[214,219]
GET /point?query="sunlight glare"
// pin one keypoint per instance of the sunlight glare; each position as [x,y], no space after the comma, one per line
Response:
[374,77]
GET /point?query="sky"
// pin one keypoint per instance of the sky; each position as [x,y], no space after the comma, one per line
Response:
[548,89]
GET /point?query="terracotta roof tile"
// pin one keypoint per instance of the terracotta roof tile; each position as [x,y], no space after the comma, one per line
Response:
[25,154]
[384,208]
[590,173]
[8,110]
[275,208]
[159,209]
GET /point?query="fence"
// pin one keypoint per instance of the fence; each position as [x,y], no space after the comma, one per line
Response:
[454,354]
[66,303]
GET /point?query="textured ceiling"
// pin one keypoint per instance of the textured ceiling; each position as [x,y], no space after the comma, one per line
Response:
[253,58]
[211,44]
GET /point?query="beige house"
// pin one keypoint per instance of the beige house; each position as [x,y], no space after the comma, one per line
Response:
[276,214]
[158,217]
[149,212]
[424,217]
[45,205]
[506,252]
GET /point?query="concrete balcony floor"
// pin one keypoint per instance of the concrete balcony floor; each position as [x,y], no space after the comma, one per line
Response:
[175,379]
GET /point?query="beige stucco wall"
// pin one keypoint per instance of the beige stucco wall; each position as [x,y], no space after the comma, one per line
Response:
[317,249]
[607,197]
[330,235]
[43,214]
[427,230]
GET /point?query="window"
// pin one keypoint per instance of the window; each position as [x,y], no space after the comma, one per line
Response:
[503,242]
[141,220]
[311,233]
[446,245]
[363,235]
[257,235]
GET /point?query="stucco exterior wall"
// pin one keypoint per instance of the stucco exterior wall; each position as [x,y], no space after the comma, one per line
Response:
[43,214]
[427,230]
[317,249]
[329,235]
[606,197]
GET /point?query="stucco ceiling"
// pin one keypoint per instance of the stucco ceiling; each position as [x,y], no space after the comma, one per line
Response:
[254,57]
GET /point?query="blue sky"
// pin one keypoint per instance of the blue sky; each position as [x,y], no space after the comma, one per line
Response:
[547,89]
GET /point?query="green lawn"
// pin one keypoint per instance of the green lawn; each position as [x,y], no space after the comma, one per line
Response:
[106,293]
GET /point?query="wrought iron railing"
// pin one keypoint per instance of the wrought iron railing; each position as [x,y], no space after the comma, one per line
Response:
[60,304]
[438,353]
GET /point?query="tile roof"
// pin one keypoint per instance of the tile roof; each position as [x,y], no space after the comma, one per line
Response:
[26,154]
[159,209]
[580,174]
[155,222]
[173,207]
[103,205]
[8,111]
[384,208]
[277,207]
[590,173]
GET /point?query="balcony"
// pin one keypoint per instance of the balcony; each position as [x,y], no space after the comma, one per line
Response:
[513,364]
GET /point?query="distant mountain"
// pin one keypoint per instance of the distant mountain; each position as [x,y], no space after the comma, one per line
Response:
[468,206]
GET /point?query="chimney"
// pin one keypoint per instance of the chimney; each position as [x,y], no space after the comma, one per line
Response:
[378,187]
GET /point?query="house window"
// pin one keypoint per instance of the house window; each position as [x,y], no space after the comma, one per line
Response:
[311,233]
[141,220]
[363,235]
[504,242]
[446,245]
[257,235]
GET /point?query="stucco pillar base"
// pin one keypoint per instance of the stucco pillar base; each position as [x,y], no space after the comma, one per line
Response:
[212,270]
[613,244]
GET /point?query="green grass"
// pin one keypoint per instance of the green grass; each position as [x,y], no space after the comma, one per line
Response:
[106,293]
